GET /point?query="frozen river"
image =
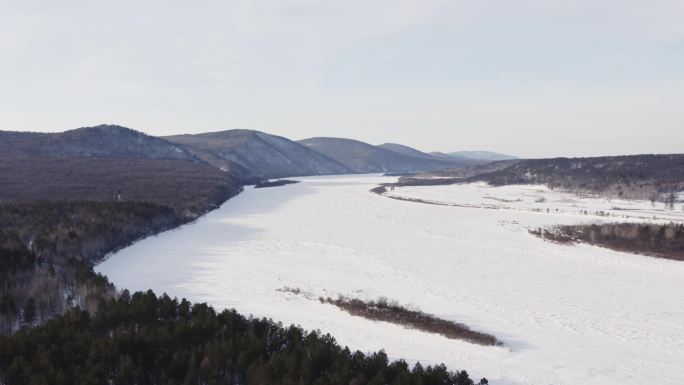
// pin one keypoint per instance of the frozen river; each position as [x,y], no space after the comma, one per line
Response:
[567,314]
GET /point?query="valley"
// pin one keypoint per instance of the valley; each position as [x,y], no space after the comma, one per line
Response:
[342,193]
[565,314]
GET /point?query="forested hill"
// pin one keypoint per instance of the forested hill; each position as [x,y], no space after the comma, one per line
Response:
[365,158]
[253,155]
[633,177]
[66,200]
[454,161]
[108,163]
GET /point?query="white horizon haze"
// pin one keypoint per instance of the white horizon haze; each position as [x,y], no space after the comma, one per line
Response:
[531,78]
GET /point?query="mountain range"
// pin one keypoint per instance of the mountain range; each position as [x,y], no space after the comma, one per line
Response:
[191,173]
[362,157]
[245,156]
[252,155]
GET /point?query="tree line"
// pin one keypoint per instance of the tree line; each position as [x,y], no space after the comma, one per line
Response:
[652,177]
[663,240]
[143,339]
[47,250]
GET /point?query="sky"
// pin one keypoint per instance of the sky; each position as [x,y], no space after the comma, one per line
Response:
[532,78]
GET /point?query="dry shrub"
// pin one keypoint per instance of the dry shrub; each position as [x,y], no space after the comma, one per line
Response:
[390,311]
[656,240]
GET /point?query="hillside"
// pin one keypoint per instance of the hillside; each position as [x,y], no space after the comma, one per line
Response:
[189,188]
[633,177]
[67,199]
[456,161]
[444,156]
[253,155]
[483,156]
[364,158]
[108,163]
[654,177]
[451,175]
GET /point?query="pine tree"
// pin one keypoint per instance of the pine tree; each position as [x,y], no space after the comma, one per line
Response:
[30,311]
[670,201]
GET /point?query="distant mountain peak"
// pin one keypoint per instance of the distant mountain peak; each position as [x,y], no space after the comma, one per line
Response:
[103,141]
[108,129]
[402,149]
[488,156]
[388,157]
[410,151]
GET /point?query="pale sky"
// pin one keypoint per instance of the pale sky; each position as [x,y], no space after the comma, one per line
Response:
[533,78]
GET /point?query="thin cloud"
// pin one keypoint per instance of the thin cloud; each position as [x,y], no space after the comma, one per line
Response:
[439,75]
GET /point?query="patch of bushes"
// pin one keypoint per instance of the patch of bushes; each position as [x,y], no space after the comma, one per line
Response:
[379,190]
[383,310]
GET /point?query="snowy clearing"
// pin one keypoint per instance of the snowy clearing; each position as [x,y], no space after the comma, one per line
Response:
[534,198]
[567,314]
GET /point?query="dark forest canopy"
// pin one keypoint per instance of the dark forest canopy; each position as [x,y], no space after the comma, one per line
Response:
[189,188]
[47,250]
[145,339]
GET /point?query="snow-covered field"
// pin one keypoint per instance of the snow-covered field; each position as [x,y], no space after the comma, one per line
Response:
[541,199]
[568,314]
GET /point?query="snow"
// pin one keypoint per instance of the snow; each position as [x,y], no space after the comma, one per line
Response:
[567,314]
[535,198]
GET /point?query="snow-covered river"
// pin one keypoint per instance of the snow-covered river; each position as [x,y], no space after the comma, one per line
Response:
[568,314]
